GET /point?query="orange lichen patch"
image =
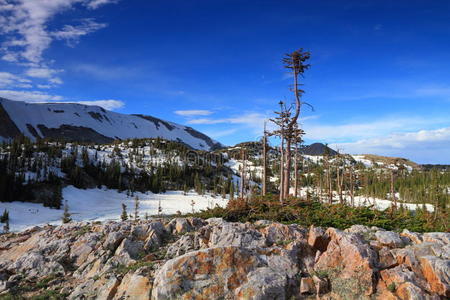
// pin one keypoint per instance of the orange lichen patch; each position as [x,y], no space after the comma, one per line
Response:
[135,287]
[350,258]
[436,274]
[247,293]
[407,290]
[211,273]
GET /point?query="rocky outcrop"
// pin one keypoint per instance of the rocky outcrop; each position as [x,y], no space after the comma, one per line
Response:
[188,258]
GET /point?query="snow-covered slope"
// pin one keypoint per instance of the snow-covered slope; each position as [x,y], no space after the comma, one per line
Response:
[79,122]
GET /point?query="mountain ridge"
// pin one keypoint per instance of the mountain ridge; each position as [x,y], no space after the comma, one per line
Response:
[90,123]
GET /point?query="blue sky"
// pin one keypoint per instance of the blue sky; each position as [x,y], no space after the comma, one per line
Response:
[379,81]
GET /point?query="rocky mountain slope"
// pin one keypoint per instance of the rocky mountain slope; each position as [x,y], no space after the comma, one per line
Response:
[318,149]
[85,123]
[213,259]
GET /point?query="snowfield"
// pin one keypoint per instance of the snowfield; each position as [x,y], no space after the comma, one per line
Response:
[104,204]
[379,204]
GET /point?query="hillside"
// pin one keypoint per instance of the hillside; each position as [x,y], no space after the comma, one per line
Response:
[318,149]
[86,123]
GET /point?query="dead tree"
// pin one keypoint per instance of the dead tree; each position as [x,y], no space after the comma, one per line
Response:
[264,162]
[281,121]
[242,187]
[327,167]
[340,162]
[288,117]
[393,198]
[352,186]
[295,62]
[297,141]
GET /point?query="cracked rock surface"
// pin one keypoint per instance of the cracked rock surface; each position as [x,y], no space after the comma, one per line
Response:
[189,258]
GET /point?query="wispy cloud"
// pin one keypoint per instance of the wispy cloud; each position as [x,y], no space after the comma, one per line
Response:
[422,145]
[251,118]
[8,80]
[335,133]
[105,72]
[41,72]
[29,96]
[401,92]
[193,112]
[220,133]
[41,97]
[24,27]
[72,33]
[94,4]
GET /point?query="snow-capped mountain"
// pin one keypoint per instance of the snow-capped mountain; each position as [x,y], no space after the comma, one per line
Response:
[86,123]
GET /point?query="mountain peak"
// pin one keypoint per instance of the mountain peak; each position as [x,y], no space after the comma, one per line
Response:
[91,123]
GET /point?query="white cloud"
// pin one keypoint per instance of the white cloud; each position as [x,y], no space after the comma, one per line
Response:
[106,104]
[44,86]
[191,113]
[10,57]
[94,4]
[252,118]
[423,146]
[41,97]
[215,134]
[24,28]
[250,122]
[29,96]
[106,72]
[71,34]
[8,80]
[41,72]
[335,133]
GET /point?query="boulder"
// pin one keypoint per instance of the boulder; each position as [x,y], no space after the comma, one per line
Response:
[437,273]
[224,272]
[186,243]
[276,233]
[134,286]
[415,237]
[130,250]
[179,226]
[235,234]
[402,283]
[442,238]
[318,238]
[349,263]
[389,239]
[113,240]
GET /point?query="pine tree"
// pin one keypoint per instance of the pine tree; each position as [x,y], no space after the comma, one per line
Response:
[124,215]
[5,216]
[66,215]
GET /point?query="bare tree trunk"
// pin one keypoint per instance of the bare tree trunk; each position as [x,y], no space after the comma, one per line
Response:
[264,157]
[242,175]
[287,168]
[296,171]
[393,198]
[328,181]
[282,169]
[352,186]
[339,186]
